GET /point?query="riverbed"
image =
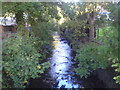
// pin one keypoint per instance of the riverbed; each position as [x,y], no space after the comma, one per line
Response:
[61,65]
[61,72]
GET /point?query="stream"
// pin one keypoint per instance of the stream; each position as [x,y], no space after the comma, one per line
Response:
[61,72]
[61,64]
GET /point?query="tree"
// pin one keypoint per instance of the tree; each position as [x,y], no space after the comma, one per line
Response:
[21,61]
[25,56]
[92,56]
[30,12]
[91,10]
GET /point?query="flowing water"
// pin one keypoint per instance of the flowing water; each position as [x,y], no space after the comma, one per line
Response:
[61,73]
[61,65]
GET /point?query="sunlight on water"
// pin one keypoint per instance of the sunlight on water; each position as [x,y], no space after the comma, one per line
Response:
[61,63]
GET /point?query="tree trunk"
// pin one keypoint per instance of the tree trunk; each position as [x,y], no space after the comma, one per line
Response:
[91,20]
[91,32]
[19,17]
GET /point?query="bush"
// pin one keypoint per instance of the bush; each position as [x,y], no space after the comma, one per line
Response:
[91,56]
[21,60]
[43,31]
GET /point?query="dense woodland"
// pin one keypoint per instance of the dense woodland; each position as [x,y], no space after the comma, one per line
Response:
[91,29]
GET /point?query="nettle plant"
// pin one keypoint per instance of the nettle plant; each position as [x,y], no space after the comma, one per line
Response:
[21,61]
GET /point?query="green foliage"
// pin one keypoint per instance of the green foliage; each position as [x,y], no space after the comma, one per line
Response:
[68,10]
[24,56]
[116,64]
[74,31]
[43,31]
[30,12]
[92,56]
[114,9]
[21,60]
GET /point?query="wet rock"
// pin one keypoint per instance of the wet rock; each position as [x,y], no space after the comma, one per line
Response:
[67,49]
[63,86]
[67,58]
[68,71]
[65,74]
[62,39]
[65,62]
[66,78]
[57,73]
[73,62]
[54,64]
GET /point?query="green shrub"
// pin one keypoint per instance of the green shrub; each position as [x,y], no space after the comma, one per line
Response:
[92,56]
[21,60]
[116,64]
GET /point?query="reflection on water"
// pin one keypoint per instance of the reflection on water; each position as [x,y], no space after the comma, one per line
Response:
[61,74]
[61,68]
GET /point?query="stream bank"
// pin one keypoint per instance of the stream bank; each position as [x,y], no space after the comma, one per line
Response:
[61,72]
[100,78]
